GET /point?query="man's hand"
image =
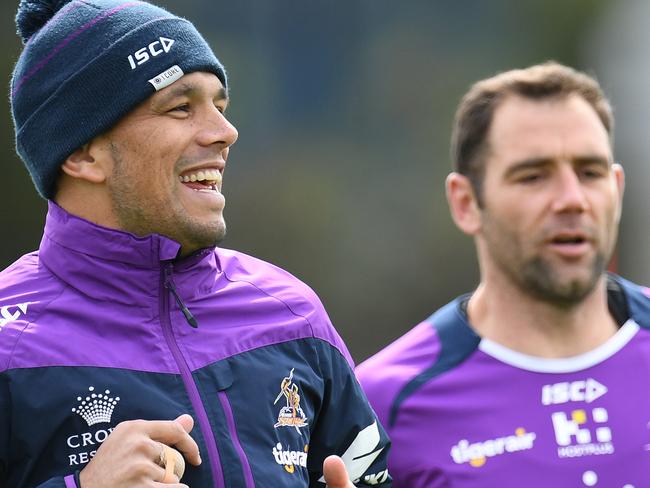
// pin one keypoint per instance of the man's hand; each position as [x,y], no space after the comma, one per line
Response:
[336,476]
[130,454]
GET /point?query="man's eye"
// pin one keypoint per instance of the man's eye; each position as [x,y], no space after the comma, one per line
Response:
[181,108]
[592,173]
[530,178]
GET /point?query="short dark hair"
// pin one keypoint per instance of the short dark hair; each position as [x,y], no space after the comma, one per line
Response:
[477,107]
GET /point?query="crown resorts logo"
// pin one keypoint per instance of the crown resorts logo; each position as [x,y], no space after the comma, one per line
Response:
[96,408]
[291,415]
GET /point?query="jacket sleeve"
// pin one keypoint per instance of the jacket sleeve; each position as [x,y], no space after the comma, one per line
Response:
[5,423]
[346,425]
[5,443]
[59,482]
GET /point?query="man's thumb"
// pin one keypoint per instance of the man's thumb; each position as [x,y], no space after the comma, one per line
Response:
[336,476]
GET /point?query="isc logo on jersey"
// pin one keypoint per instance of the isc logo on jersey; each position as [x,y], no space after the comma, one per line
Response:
[476,454]
[153,49]
[576,391]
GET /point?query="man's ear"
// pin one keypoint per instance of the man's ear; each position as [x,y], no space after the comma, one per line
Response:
[84,164]
[462,202]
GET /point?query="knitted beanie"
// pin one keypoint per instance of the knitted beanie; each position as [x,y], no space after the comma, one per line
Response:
[85,65]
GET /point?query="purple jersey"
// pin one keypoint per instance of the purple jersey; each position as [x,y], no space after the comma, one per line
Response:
[466,412]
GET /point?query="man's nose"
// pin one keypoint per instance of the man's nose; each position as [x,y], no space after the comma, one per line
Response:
[217,130]
[570,193]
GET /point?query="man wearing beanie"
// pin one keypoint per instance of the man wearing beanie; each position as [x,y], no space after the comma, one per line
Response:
[133,351]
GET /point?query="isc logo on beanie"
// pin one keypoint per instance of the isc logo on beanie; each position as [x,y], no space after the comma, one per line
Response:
[141,56]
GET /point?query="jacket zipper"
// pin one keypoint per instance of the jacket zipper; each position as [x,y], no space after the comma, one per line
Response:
[186,375]
[169,284]
[230,420]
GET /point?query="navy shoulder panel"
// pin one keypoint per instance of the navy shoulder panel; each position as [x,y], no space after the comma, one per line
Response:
[457,342]
[637,299]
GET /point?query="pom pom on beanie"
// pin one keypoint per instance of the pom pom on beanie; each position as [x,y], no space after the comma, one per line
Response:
[33,14]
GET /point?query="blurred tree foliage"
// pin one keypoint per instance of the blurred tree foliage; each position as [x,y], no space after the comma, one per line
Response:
[344,111]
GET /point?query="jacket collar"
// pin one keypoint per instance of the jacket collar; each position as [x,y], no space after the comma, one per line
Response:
[75,234]
[108,263]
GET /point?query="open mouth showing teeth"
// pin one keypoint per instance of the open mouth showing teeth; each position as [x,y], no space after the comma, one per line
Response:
[209,179]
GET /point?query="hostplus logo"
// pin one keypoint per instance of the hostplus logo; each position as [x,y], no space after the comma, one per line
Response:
[94,408]
[11,313]
[476,453]
[581,434]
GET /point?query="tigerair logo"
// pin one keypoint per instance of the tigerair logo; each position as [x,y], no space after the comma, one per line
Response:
[581,434]
[11,313]
[476,454]
[290,459]
[96,408]
[291,415]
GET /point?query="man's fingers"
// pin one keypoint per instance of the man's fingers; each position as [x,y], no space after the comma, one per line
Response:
[173,462]
[137,451]
[186,421]
[336,476]
[175,433]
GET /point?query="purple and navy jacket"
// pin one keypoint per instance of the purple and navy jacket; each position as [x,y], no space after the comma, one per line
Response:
[465,412]
[100,326]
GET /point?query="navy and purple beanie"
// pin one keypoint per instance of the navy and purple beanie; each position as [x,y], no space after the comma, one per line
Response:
[85,65]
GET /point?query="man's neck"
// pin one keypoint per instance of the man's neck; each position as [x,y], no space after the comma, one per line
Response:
[515,319]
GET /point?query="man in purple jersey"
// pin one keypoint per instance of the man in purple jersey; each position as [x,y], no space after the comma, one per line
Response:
[128,332]
[538,377]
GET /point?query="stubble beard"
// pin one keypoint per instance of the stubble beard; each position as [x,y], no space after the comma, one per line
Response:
[540,279]
[143,217]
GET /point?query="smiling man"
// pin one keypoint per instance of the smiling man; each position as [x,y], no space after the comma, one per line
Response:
[133,351]
[530,379]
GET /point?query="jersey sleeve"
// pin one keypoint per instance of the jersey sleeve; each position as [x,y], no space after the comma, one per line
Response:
[347,426]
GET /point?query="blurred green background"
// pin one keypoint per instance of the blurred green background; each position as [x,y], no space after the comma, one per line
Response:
[344,111]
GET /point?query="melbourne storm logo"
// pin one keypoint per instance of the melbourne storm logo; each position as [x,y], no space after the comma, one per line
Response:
[291,415]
